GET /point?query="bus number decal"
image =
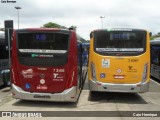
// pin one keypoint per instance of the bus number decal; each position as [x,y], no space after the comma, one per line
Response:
[105,63]
[133,60]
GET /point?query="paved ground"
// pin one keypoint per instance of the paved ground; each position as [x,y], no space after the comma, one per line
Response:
[90,103]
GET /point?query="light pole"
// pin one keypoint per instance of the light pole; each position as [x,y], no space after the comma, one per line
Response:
[102,20]
[18,8]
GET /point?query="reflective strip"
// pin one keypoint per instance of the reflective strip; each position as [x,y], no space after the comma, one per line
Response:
[72,77]
[14,80]
[145,73]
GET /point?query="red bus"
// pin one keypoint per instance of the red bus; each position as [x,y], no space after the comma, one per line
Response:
[45,65]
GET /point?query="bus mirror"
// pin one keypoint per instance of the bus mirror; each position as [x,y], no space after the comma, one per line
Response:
[150,34]
[90,35]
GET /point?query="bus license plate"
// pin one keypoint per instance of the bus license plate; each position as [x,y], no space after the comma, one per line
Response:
[42,96]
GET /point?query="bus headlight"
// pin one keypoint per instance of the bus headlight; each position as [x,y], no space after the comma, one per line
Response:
[93,72]
[145,71]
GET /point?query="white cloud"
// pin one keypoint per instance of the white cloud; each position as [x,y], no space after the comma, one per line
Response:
[85,14]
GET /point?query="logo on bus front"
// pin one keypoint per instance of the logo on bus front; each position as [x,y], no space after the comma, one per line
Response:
[27,73]
[58,77]
[42,75]
[42,81]
[119,70]
[131,69]
[41,56]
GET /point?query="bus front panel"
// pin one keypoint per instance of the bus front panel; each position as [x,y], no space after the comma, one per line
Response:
[119,61]
[45,65]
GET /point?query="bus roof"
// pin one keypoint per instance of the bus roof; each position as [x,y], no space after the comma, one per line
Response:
[41,29]
[119,29]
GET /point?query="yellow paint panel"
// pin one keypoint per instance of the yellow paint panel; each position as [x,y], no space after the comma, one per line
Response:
[116,69]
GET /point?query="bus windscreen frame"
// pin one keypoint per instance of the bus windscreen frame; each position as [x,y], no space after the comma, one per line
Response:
[118,38]
[42,57]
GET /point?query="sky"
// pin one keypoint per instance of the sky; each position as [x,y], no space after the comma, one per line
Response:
[85,14]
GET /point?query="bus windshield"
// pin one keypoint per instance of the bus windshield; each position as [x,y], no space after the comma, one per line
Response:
[43,42]
[123,42]
[43,48]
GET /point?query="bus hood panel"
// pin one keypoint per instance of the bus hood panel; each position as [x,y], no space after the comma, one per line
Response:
[119,70]
[39,79]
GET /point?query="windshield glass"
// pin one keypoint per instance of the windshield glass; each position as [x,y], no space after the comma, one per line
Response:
[43,42]
[43,48]
[125,42]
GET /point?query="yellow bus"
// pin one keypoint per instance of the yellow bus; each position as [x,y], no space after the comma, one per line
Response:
[119,60]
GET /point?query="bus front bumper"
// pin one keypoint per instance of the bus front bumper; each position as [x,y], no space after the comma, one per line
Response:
[68,95]
[110,87]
